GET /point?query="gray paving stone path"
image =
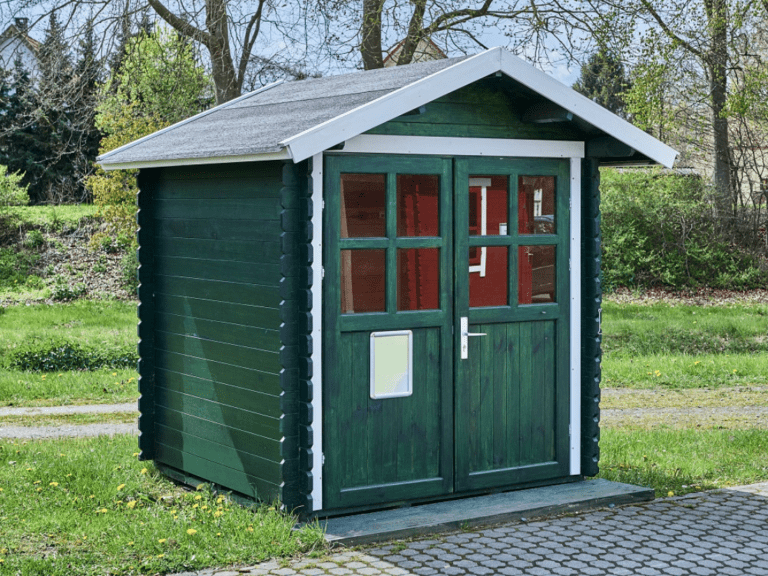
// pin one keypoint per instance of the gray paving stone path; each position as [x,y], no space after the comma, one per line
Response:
[718,533]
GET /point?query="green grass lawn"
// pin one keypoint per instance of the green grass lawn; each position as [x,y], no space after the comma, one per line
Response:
[96,325]
[684,346]
[89,507]
[683,461]
[48,216]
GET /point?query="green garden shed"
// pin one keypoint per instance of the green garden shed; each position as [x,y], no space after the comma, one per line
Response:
[377,288]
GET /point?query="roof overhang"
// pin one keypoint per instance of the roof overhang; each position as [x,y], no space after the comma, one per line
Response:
[495,60]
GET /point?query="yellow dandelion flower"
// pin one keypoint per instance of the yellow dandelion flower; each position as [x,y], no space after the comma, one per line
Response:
[191,531]
[61,374]
[131,504]
[160,555]
[91,496]
[120,487]
[196,505]
[162,541]
[54,484]
[670,493]
[217,513]
[204,508]
[114,373]
[143,470]
[103,510]
[735,371]
[68,475]
[198,497]
[135,454]
[39,489]
[36,482]
[218,533]
[130,543]
[250,528]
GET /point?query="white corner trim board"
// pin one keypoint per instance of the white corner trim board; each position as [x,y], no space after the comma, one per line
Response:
[575,285]
[317,332]
[446,146]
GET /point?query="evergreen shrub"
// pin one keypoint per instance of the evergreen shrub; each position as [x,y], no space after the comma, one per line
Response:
[659,229]
[62,355]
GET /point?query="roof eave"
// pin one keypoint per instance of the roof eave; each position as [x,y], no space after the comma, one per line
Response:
[283,154]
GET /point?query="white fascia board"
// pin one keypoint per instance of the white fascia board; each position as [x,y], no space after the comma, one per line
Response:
[283,154]
[103,157]
[393,104]
[446,146]
[587,110]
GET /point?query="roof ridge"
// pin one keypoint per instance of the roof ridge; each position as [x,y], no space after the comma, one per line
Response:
[189,120]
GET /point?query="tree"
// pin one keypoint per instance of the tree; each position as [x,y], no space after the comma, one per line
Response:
[158,83]
[604,80]
[693,42]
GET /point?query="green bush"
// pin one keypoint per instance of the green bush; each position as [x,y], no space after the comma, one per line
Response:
[659,229]
[11,192]
[34,239]
[62,292]
[62,355]
[129,266]
[15,267]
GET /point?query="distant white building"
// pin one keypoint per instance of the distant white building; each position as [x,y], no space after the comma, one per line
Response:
[425,50]
[16,43]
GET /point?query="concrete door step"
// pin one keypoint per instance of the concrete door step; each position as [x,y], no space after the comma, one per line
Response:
[484,510]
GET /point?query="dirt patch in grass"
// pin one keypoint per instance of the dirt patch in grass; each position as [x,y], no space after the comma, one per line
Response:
[693,297]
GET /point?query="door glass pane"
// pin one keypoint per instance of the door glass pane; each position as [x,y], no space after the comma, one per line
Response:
[536,205]
[363,288]
[363,205]
[488,201]
[488,280]
[418,279]
[417,205]
[537,274]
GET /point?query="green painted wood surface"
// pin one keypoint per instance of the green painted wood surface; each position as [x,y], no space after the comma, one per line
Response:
[490,108]
[220,405]
[399,448]
[514,387]
[510,424]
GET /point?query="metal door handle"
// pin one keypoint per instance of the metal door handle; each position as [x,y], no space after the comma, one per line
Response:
[465,334]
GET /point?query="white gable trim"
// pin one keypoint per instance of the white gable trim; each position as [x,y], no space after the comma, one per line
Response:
[392,105]
[398,102]
[441,146]
[587,110]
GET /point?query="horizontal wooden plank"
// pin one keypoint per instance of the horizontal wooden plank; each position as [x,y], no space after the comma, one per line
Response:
[243,356]
[225,312]
[384,321]
[237,458]
[219,208]
[261,252]
[234,292]
[252,400]
[223,270]
[236,230]
[219,372]
[221,475]
[229,416]
[249,171]
[239,334]
[268,448]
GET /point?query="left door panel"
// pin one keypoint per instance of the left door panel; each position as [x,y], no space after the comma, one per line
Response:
[388,261]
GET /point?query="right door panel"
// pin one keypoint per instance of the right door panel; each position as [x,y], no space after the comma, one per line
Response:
[511,282]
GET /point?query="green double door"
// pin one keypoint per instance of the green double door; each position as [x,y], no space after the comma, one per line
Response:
[445,326]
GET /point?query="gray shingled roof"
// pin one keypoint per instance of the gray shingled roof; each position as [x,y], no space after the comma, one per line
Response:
[256,123]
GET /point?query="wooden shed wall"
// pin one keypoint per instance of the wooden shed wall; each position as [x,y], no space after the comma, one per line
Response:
[214,401]
[486,109]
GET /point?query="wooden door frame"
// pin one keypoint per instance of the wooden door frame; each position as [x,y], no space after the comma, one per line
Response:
[452,147]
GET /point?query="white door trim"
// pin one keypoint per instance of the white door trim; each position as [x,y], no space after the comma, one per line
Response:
[317,332]
[440,146]
[575,266]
